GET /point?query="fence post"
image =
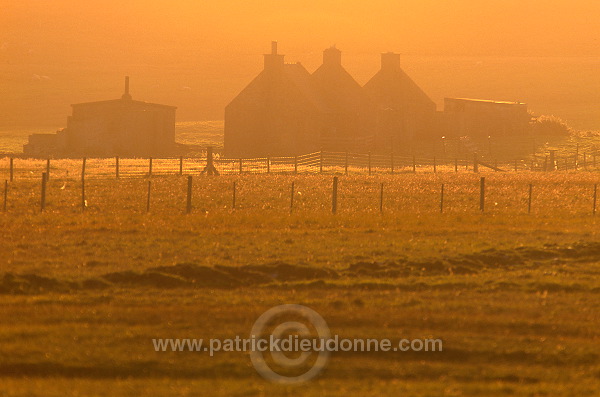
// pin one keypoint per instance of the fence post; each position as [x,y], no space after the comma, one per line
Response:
[346,165]
[5,195]
[482,194]
[82,192]
[117,167]
[381,199]
[268,165]
[292,198]
[83,168]
[414,165]
[48,168]
[295,164]
[233,202]
[475,163]
[595,197]
[455,165]
[189,195]
[43,201]
[11,161]
[150,167]
[180,165]
[334,195]
[321,162]
[529,200]
[148,197]
[442,200]
[241,166]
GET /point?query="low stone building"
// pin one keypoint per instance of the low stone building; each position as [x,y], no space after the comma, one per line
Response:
[119,127]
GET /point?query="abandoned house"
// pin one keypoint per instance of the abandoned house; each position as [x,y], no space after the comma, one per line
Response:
[119,127]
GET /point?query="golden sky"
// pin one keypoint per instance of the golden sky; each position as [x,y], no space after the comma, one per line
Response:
[198,54]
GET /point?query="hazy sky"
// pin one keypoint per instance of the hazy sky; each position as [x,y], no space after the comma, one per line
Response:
[222,40]
[74,29]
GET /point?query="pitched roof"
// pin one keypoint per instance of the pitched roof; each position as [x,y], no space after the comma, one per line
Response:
[394,86]
[292,75]
[338,88]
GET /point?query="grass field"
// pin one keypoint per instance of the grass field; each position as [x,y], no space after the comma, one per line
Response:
[513,296]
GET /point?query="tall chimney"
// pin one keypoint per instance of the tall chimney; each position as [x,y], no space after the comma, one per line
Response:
[126,95]
[332,56]
[273,61]
[390,61]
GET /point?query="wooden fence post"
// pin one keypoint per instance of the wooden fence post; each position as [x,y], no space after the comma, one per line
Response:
[43,201]
[150,167]
[414,165]
[268,165]
[292,198]
[189,195]
[180,165]
[346,165]
[381,199]
[117,167]
[5,195]
[455,165]
[334,195]
[12,168]
[233,201]
[530,197]
[48,168]
[321,162]
[442,200]
[482,194]
[595,198]
[83,184]
[148,197]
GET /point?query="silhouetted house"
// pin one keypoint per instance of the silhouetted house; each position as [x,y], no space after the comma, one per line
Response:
[349,122]
[403,110]
[479,118]
[278,113]
[287,111]
[123,127]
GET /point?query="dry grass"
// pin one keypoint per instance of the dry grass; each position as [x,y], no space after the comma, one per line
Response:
[515,324]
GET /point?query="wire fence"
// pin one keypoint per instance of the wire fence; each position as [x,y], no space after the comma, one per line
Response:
[312,163]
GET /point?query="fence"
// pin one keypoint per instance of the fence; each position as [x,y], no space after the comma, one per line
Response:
[319,162]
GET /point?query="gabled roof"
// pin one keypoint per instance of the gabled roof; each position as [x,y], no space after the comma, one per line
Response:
[394,86]
[338,88]
[292,75]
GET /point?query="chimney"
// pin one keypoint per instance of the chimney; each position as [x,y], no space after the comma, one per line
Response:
[390,61]
[273,61]
[126,95]
[332,56]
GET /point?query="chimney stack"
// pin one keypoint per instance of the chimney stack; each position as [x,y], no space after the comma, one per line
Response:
[390,61]
[273,61]
[332,56]
[126,95]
